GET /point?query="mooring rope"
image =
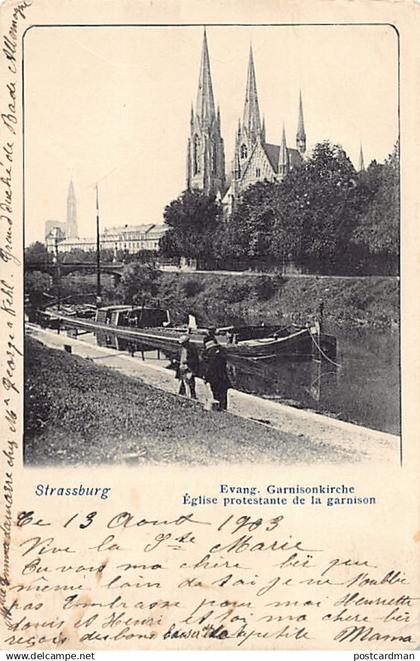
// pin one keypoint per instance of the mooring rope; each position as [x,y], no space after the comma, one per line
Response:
[323,353]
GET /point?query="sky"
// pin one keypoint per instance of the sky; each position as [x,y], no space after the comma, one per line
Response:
[112,105]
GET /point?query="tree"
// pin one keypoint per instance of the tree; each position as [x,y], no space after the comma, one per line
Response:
[36,285]
[247,234]
[138,283]
[378,228]
[314,217]
[36,253]
[193,219]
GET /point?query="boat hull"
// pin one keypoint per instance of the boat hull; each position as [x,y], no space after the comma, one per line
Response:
[299,344]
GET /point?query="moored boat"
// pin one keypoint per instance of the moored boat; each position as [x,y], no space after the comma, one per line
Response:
[291,342]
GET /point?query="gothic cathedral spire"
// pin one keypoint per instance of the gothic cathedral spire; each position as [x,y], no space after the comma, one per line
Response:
[251,117]
[361,160]
[71,224]
[300,133]
[205,108]
[205,151]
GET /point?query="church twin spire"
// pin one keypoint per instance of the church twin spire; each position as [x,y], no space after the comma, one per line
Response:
[253,130]
[205,153]
[205,108]
[251,117]
[300,133]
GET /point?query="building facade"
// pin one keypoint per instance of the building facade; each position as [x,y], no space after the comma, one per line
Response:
[254,160]
[129,238]
[63,236]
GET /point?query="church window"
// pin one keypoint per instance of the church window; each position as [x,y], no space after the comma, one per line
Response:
[258,172]
[244,151]
[196,155]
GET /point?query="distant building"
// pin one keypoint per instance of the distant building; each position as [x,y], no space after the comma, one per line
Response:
[63,236]
[130,238]
[55,236]
[71,224]
[57,231]
[51,224]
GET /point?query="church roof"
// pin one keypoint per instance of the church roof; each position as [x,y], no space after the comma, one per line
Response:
[273,151]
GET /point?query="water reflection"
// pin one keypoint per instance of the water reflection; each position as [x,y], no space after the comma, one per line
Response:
[365,388]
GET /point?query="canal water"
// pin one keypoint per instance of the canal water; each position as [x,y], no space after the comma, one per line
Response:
[364,386]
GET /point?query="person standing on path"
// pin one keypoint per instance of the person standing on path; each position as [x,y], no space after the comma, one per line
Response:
[188,367]
[215,370]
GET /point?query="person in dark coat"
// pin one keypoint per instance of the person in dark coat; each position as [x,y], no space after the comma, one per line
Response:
[215,370]
[188,367]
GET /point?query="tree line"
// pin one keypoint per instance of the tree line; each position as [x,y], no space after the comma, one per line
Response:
[323,217]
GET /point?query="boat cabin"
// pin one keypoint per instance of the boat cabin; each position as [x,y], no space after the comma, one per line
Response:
[134,317]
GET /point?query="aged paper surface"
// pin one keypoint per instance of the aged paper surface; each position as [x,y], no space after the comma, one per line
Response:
[170,556]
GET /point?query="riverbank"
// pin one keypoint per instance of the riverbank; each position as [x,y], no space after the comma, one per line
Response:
[172,428]
[251,298]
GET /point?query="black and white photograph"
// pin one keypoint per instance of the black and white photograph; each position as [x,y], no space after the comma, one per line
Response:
[211,244]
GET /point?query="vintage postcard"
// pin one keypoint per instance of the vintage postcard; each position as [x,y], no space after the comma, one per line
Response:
[209,325]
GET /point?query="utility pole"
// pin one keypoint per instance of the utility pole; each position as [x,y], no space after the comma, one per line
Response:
[98,254]
[58,273]
[57,277]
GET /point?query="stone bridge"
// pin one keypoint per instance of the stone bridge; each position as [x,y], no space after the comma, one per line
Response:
[115,269]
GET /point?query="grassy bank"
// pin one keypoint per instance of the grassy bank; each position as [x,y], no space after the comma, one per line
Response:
[77,412]
[249,298]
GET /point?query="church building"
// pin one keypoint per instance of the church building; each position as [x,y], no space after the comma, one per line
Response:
[254,160]
[57,231]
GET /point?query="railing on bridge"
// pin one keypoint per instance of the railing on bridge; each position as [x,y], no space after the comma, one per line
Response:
[65,268]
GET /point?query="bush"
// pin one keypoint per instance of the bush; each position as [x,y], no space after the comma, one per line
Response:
[235,292]
[265,287]
[192,287]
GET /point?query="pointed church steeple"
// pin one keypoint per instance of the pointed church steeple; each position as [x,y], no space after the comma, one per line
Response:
[361,160]
[283,155]
[205,108]
[71,194]
[205,150]
[71,224]
[251,117]
[300,133]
